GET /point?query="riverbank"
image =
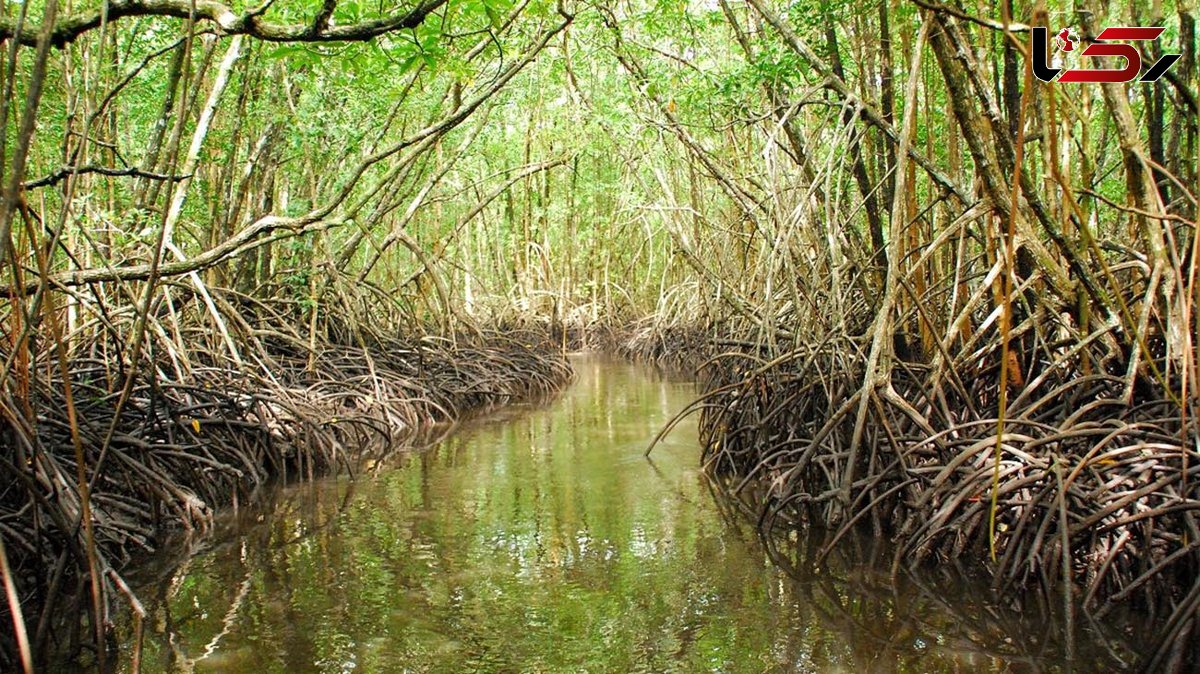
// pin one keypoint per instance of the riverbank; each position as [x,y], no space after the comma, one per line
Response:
[1095,497]
[188,431]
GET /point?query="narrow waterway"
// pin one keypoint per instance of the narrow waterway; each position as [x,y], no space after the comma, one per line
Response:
[543,541]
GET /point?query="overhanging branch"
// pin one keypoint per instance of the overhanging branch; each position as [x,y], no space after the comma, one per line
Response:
[65,171]
[69,28]
[271,228]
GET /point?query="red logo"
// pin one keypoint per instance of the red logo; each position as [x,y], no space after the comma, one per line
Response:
[1065,40]
[1110,42]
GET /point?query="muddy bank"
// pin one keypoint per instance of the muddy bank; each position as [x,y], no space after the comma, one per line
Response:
[162,443]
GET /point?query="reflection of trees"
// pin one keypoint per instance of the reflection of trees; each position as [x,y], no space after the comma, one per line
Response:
[894,619]
[214,585]
[471,556]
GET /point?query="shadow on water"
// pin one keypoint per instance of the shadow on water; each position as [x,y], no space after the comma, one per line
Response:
[541,540]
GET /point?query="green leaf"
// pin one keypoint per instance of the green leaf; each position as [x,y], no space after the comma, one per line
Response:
[493,16]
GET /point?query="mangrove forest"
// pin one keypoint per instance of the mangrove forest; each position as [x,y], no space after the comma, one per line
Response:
[754,336]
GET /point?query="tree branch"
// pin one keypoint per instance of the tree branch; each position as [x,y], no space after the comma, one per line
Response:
[249,238]
[986,23]
[65,171]
[69,28]
[271,228]
[867,111]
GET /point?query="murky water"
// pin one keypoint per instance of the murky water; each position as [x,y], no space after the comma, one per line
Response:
[545,542]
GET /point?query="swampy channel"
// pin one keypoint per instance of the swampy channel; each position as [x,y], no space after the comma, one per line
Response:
[540,539]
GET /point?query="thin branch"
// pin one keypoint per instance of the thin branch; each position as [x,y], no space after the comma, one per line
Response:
[1155,215]
[62,173]
[986,23]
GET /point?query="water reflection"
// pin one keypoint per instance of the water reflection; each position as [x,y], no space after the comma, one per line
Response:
[544,542]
